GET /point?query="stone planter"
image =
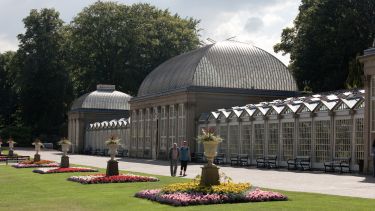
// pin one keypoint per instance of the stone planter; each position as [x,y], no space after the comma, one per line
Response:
[112,165]
[65,149]
[210,172]
[64,158]
[11,148]
[112,150]
[210,151]
[37,145]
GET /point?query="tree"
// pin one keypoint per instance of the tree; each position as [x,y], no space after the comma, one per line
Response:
[43,78]
[118,44]
[325,40]
[8,95]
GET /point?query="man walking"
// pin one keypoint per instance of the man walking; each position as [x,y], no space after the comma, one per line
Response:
[174,154]
[184,157]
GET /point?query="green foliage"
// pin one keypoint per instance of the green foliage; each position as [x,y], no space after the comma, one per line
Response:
[8,95]
[325,40]
[43,78]
[119,44]
[22,135]
[106,42]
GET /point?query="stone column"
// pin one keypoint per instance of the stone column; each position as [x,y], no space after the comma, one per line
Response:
[75,143]
[368,61]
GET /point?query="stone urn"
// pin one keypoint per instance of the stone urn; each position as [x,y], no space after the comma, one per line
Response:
[210,172]
[37,146]
[112,150]
[65,149]
[11,148]
[112,165]
[210,151]
[65,145]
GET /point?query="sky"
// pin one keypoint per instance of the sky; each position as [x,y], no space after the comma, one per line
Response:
[259,22]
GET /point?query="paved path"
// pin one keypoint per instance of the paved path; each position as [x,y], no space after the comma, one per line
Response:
[316,182]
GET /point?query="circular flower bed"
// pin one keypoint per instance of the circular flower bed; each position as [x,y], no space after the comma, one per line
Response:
[185,194]
[102,178]
[63,170]
[32,164]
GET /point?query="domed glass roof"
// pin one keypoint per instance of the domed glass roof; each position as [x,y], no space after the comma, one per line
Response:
[227,64]
[105,97]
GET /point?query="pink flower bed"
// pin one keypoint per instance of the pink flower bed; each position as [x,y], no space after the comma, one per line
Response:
[63,170]
[102,178]
[21,165]
[186,199]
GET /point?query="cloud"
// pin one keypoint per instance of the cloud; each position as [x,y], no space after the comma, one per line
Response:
[260,22]
[7,44]
[253,24]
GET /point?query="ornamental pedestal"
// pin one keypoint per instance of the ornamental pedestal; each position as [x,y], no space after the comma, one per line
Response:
[64,161]
[36,158]
[210,176]
[112,168]
[11,153]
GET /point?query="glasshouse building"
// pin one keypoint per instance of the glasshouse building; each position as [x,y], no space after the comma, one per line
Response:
[172,97]
[103,104]
[321,126]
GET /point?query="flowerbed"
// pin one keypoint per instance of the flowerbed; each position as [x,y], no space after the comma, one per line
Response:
[186,199]
[102,178]
[191,193]
[63,170]
[194,187]
[32,164]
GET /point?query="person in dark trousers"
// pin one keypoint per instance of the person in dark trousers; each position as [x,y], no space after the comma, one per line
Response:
[174,154]
[373,158]
[184,157]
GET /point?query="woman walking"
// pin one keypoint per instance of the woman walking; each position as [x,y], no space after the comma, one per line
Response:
[184,157]
[174,153]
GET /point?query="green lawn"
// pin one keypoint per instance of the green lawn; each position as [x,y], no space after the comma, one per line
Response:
[4,151]
[20,189]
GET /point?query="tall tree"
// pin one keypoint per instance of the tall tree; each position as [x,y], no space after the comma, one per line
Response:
[325,40]
[119,44]
[8,95]
[43,78]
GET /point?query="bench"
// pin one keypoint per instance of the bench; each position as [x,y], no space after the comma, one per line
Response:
[122,153]
[48,145]
[244,159]
[234,159]
[199,157]
[219,159]
[299,162]
[99,152]
[16,159]
[267,161]
[88,151]
[338,163]
[239,159]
